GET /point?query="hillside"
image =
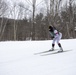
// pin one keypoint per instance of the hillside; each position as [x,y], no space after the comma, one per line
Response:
[17,58]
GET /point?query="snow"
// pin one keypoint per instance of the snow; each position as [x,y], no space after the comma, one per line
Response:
[17,58]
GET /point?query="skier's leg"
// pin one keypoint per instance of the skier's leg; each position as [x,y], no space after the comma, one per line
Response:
[58,39]
[53,43]
[61,49]
[53,46]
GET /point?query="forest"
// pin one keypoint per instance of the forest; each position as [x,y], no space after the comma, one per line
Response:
[30,20]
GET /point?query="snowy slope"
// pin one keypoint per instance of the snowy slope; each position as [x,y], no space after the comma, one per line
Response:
[17,58]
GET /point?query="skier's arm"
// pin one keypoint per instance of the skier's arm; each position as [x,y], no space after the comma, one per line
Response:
[52,35]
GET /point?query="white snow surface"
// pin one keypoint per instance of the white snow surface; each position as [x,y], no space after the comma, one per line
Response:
[18,58]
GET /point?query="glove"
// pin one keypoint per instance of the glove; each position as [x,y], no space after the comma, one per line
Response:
[52,37]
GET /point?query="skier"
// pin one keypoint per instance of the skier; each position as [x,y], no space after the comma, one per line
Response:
[56,36]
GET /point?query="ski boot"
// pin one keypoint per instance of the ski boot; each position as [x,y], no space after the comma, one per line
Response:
[52,49]
[61,49]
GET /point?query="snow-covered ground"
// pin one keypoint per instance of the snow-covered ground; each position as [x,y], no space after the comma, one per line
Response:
[17,58]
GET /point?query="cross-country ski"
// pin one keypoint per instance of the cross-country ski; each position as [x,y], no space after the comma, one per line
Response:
[56,52]
[50,50]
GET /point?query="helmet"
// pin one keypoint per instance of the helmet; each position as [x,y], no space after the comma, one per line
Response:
[50,28]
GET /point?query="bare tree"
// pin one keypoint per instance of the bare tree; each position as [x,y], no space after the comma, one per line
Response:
[15,26]
[33,5]
[54,9]
[16,12]
[3,9]
[48,17]
[71,15]
[3,26]
[33,17]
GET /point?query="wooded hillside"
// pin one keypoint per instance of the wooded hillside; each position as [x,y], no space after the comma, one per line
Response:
[36,26]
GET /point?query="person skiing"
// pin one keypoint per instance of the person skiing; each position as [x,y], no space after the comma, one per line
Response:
[56,36]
